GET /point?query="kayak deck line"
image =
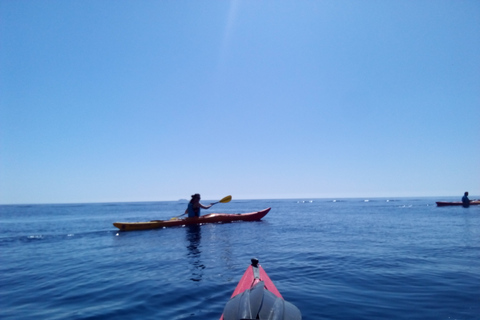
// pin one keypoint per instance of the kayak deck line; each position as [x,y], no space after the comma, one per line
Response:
[210,215]
[208,218]
[256,297]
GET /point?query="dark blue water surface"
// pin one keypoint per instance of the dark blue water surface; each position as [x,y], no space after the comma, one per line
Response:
[345,259]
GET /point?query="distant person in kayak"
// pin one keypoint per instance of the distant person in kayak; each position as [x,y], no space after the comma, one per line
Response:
[465,200]
[194,206]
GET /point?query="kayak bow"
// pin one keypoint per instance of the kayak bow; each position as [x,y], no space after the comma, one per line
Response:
[256,297]
[208,218]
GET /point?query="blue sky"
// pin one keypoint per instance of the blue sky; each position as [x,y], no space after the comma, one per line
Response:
[156,100]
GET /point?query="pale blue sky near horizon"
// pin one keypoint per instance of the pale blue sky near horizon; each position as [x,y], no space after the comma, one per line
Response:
[109,101]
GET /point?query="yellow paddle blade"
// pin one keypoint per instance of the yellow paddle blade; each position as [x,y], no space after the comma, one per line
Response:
[226,199]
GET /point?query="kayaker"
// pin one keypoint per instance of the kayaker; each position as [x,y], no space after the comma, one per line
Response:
[465,200]
[194,206]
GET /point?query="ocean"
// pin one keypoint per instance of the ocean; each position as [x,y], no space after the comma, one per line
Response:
[374,258]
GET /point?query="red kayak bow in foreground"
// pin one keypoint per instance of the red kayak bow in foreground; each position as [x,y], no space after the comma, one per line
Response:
[256,297]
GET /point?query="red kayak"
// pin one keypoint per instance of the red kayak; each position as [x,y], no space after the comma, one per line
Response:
[455,203]
[208,218]
[256,297]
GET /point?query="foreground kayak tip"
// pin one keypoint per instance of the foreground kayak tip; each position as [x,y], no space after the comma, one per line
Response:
[256,297]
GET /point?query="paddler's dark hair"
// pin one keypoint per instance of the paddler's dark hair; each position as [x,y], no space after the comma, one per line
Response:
[196,195]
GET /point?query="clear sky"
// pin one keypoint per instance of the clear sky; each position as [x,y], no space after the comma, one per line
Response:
[156,100]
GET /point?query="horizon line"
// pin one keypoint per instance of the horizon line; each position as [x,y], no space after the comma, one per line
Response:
[206,200]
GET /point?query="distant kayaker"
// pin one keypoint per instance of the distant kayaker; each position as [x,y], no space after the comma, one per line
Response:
[465,200]
[194,206]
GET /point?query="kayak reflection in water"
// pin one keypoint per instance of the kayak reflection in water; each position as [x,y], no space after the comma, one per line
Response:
[465,200]
[194,206]
[194,236]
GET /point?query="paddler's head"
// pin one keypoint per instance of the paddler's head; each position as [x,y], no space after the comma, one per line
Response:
[195,197]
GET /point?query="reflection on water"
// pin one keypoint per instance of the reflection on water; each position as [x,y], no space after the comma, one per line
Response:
[194,235]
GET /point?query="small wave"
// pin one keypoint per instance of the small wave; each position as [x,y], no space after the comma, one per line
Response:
[8,240]
[35,237]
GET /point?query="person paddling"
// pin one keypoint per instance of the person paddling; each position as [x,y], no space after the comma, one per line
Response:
[465,200]
[193,209]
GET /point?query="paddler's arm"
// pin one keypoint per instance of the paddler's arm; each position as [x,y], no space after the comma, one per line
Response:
[205,207]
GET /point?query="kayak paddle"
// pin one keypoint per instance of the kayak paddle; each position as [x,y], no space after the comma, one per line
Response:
[224,200]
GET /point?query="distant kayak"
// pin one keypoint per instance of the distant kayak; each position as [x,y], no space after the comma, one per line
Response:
[208,218]
[256,297]
[455,203]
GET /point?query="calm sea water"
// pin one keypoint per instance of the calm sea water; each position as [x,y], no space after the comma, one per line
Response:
[349,259]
